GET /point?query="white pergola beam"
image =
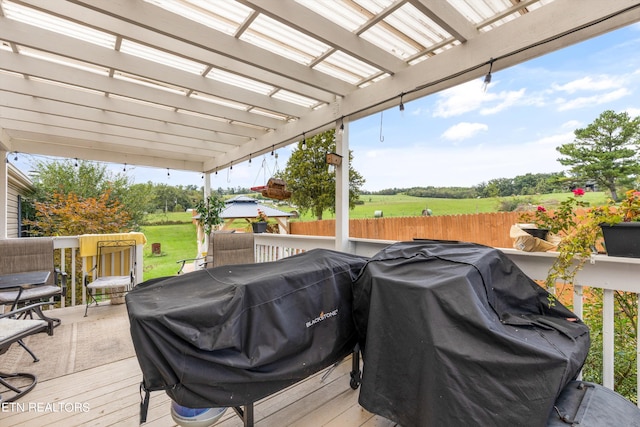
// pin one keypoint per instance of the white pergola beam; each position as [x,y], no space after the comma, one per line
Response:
[152,17]
[38,89]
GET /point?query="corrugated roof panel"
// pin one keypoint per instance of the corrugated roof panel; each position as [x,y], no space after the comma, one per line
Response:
[239,81]
[283,40]
[417,26]
[145,81]
[340,12]
[140,101]
[294,98]
[374,6]
[222,15]
[219,101]
[345,67]
[155,55]
[62,60]
[269,114]
[61,26]
[54,83]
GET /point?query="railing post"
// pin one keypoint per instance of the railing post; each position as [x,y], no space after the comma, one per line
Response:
[578,308]
[607,339]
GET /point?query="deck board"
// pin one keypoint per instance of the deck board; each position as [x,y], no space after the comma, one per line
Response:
[110,394]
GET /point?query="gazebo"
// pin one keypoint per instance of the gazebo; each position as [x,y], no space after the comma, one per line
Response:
[243,207]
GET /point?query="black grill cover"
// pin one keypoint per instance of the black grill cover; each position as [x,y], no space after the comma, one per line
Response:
[454,334]
[230,335]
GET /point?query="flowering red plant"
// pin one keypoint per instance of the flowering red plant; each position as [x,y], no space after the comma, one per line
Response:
[560,220]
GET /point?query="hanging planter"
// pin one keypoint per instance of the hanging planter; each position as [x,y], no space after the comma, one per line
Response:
[622,239]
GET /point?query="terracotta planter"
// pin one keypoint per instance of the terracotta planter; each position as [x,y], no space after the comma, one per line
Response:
[622,239]
[259,227]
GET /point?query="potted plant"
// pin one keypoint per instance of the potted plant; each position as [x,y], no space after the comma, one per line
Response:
[621,229]
[259,223]
[581,231]
[209,210]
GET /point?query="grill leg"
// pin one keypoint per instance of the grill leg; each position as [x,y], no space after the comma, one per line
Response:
[245,414]
[356,375]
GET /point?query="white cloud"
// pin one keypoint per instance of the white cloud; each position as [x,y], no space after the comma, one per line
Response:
[554,140]
[464,130]
[589,83]
[633,112]
[589,101]
[452,166]
[469,97]
[460,99]
[571,124]
[508,99]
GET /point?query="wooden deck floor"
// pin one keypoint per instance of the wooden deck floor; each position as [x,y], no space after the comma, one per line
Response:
[108,395]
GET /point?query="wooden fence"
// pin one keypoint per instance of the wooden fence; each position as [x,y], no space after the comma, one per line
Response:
[491,229]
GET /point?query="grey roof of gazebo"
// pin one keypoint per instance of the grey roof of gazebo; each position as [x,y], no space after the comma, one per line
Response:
[247,207]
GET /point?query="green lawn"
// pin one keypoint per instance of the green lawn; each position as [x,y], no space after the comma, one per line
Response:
[176,241]
[179,241]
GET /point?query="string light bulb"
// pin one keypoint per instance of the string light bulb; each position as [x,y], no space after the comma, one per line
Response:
[249,159]
[304,141]
[272,150]
[487,78]
[124,169]
[15,156]
[168,174]
[76,159]
[341,128]
[401,102]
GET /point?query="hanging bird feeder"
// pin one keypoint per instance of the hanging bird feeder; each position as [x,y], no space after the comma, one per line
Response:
[276,188]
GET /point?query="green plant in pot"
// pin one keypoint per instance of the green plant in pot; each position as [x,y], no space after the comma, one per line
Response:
[209,210]
[621,229]
[260,222]
[581,231]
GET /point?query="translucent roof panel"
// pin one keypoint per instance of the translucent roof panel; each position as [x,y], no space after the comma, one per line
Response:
[50,22]
[283,40]
[68,62]
[239,81]
[150,83]
[345,14]
[295,98]
[219,101]
[346,68]
[156,55]
[221,15]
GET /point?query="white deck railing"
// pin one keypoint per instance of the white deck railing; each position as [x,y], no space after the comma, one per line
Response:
[68,248]
[603,272]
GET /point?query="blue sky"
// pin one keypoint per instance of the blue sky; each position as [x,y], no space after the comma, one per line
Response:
[465,136]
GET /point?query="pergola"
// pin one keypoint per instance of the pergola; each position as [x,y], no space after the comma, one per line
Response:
[201,85]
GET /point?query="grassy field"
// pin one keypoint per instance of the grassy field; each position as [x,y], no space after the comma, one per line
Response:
[402,205]
[178,241]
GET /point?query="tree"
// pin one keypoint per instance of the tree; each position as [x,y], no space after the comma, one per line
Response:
[69,215]
[312,185]
[605,151]
[88,180]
